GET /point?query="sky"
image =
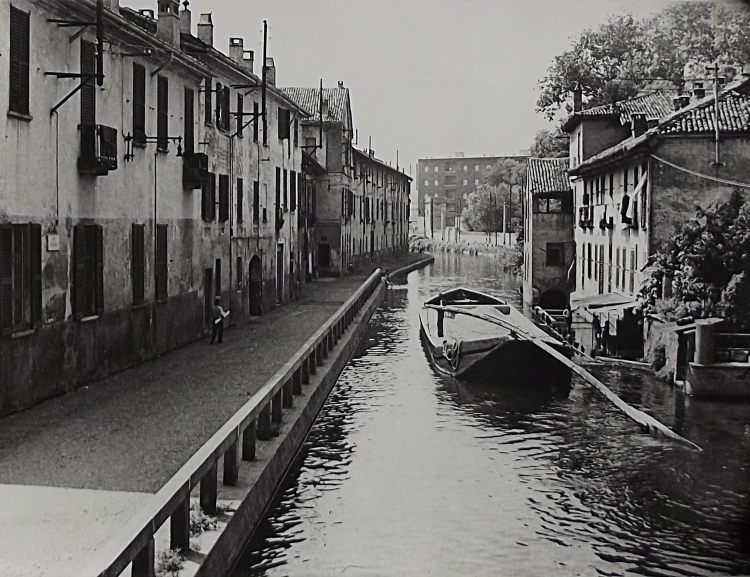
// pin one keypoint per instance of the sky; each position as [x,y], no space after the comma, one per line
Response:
[427,78]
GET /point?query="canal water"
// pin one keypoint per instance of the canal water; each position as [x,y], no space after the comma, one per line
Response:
[410,473]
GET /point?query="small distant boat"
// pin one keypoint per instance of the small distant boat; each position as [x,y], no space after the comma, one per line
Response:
[469,334]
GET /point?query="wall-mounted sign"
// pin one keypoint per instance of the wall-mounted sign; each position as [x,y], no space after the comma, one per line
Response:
[53,242]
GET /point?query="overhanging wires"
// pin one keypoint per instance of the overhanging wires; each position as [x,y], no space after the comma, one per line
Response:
[701,175]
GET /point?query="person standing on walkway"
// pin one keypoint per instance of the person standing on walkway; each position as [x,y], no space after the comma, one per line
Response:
[568,314]
[441,316]
[218,315]
[597,328]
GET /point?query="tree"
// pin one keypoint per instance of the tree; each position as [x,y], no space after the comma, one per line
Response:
[625,56]
[707,265]
[502,184]
[550,145]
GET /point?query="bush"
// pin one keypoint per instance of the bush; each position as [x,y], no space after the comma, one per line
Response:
[169,563]
[199,521]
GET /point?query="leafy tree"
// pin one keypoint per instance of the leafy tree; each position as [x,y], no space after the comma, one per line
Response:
[625,56]
[550,145]
[708,266]
[501,184]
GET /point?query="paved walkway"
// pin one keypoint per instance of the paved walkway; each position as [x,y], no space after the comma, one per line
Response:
[61,461]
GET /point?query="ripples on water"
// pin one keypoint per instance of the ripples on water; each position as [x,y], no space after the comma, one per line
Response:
[409,473]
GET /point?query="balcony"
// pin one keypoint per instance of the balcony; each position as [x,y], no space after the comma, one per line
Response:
[98,153]
[194,170]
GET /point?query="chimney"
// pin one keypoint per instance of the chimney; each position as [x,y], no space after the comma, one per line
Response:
[147,12]
[341,83]
[206,29]
[236,49]
[638,124]
[186,19]
[652,122]
[168,22]
[325,108]
[248,59]
[698,91]
[577,98]
[270,72]
[112,5]
[746,69]
[681,101]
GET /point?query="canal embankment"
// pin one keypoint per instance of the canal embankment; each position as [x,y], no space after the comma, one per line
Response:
[506,255]
[79,470]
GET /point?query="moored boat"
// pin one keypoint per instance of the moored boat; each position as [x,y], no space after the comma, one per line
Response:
[472,335]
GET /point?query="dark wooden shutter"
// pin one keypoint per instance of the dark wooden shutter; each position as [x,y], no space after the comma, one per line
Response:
[284,123]
[293,191]
[139,104]
[256,113]
[99,269]
[217,283]
[256,201]
[162,114]
[213,197]
[189,136]
[223,198]
[219,106]
[6,279]
[161,262]
[240,112]
[19,61]
[35,272]
[88,92]
[240,200]
[208,88]
[138,265]
[286,187]
[79,271]
[278,189]
[227,103]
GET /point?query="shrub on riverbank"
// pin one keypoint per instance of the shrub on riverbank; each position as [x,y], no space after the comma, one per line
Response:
[506,255]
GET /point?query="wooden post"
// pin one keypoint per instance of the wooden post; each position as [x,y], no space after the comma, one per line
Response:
[305,372]
[297,382]
[143,563]
[248,442]
[704,342]
[287,397]
[179,526]
[313,361]
[209,491]
[232,464]
[276,411]
[264,423]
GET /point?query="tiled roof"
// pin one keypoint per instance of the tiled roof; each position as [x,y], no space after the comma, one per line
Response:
[734,116]
[656,105]
[547,175]
[309,99]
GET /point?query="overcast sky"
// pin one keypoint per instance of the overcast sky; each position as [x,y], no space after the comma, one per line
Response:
[426,77]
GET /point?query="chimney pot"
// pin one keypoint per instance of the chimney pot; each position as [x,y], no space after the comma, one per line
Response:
[577,98]
[168,22]
[270,71]
[638,124]
[236,49]
[248,59]
[147,12]
[206,29]
[341,83]
[186,20]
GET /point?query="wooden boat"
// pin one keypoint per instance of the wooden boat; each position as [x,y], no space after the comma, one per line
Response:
[484,337]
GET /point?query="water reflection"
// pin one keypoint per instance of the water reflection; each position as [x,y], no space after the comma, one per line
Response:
[409,473]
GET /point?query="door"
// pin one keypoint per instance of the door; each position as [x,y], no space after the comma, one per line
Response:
[208,285]
[601,269]
[279,273]
[324,255]
[256,287]
[372,244]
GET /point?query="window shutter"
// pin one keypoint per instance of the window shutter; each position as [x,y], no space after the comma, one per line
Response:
[286,187]
[225,112]
[88,91]
[208,106]
[240,111]
[99,269]
[213,197]
[256,201]
[293,191]
[284,122]
[138,263]
[79,271]
[35,274]
[189,136]
[240,200]
[223,198]
[6,279]
[19,61]
[256,113]
[139,104]
[162,114]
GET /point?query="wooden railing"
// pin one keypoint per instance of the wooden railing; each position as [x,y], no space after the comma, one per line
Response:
[235,440]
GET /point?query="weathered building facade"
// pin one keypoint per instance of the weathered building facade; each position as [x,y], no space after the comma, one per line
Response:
[549,248]
[125,209]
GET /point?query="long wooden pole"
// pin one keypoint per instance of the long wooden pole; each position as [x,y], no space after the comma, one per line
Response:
[646,421]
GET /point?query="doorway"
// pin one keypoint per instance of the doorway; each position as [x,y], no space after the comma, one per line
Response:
[324,255]
[279,273]
[255,291]
[208,283]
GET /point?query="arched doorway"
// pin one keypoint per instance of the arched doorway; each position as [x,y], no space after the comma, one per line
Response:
[553,299]
[256,286]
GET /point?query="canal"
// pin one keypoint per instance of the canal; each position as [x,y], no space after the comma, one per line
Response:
[410,473]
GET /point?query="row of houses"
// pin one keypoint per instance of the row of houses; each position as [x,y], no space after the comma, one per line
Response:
[144,172]
[637,169]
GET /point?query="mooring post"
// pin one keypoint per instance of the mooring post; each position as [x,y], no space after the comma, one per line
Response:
[276,409]
[232,464]
[143,563]
[297,382]
[209,491]
[313,360]
[704,341]
[179,526]
[287,397]
[264,423]
[248,442]
[305,368]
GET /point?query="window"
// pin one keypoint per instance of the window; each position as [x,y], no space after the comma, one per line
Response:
[609,269]
[617,268]
[284,118]
[427,169]
[476,168]
[189,135]
[241,115]
[466,168]
[226,97]
[476,182]
[292,191]
[555,254]
[435,169]
[88,280]
[286,188]
[625,180]
[450,180]
[138,263]
[601,269]
[551,205]
[256,114]
[162,114]
[436,182]
[161,262]
[223,198]
[139,105]
[208,199]
[588,261]
[208,104]
[20,277]
[296,132]
[19,61]
[278,189]
[450,167]
[240,200]
[611,184]
[466,182]
[624,266]
[88,90]
[632,270]
[217,277]
[256,201]
[427,182]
